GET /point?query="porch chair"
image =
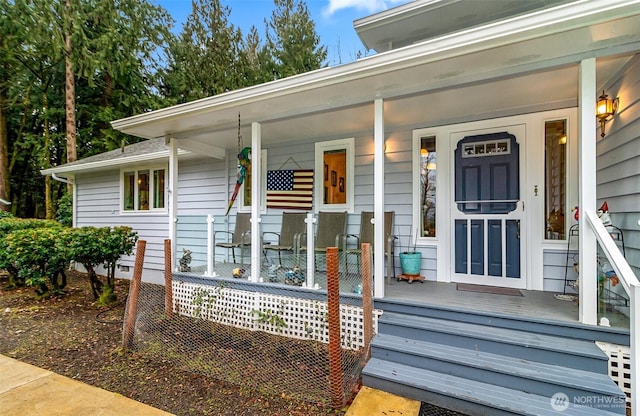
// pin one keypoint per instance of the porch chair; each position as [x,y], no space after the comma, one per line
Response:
[331,229]
[291,228]
[240,237]
[367,236]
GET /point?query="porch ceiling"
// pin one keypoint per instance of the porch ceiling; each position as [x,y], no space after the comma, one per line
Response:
[436,82]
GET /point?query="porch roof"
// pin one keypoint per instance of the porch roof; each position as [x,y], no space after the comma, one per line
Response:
[418,20]
[518,65]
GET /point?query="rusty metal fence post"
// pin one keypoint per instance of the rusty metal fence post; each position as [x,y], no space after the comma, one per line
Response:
[333,309]
[367,300]
[134,294]
[168,280]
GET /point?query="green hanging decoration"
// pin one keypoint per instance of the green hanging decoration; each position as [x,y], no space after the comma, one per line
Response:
[244,162]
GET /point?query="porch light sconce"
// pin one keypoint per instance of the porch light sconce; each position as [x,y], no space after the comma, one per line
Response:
[605,109]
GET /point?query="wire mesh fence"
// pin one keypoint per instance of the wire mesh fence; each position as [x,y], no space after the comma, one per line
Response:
[270,336]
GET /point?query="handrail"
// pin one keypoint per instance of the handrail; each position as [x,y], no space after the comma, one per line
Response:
[631,284]
[611,250]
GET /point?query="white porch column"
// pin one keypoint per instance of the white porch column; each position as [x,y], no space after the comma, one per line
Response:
[256,240]
[311,250]
[172,190]
[378,198]
[587,191]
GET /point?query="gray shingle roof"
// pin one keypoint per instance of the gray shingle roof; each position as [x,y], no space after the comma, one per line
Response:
[115,157]
[136,149]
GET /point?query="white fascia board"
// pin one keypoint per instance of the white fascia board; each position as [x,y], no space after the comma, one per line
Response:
[201,148]
[403,11]
[102,164]
[550,21]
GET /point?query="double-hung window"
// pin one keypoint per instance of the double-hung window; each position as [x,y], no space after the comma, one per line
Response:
[143,189]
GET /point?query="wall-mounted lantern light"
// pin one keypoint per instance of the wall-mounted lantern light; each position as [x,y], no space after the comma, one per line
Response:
[605,109]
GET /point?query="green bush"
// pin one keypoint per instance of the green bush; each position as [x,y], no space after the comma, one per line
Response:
[64,213]
[37,252]
[41,257]
[9,225]
[5,214]
[93,247]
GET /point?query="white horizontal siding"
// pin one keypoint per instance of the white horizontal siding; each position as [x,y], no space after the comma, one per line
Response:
[98,205]
[202,187]
[556,263]
[618,161]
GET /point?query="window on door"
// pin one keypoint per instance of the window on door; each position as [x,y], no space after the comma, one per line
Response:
[143,189]
[334,175]
[555,163]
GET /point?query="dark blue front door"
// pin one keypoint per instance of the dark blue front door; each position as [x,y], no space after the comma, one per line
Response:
[487,215]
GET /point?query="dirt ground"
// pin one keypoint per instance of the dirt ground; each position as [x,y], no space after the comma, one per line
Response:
[72,337]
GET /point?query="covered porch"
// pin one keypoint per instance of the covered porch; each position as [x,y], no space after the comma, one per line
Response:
[459,80]
[444,93]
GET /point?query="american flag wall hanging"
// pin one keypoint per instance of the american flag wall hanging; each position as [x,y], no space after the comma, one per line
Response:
[290,189]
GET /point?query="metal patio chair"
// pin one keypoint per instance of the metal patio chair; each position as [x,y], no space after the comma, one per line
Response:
[367,236]
[240,237]
[291,228]
[330,232]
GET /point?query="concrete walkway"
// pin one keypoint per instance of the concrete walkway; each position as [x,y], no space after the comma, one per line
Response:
[29,390]
[371,402]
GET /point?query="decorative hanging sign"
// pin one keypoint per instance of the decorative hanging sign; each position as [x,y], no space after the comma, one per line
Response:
[290,189]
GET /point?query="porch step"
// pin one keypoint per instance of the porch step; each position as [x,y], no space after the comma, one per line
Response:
[575,330]
[515,373]
[461,394]
[479,369]
[541,348]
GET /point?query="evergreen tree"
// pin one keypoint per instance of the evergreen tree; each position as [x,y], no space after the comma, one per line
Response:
[207,58]
[113,57]
[292,40]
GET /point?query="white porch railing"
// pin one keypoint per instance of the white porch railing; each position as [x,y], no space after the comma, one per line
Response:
[631,285]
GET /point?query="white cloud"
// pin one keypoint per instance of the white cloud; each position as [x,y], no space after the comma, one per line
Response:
[370,6]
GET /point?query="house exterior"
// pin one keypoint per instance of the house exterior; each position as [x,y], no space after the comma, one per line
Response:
[475,123]
[527,75]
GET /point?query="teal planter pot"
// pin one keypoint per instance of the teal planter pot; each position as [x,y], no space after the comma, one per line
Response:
[411,263]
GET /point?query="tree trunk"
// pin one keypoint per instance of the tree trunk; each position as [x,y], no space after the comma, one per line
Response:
[48,201]
[4,152]
[70,92]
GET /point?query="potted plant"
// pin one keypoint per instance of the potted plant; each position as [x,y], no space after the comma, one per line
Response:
[410,259]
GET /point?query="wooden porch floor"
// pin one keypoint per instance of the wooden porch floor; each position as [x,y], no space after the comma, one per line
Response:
[532,303]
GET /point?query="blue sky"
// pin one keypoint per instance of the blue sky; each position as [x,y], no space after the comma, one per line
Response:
[333,19]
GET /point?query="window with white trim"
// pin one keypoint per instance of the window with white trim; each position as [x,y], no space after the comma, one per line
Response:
[334,175]
[143,189]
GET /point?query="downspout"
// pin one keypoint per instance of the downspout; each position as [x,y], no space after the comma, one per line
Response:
[69,181]
[63,180]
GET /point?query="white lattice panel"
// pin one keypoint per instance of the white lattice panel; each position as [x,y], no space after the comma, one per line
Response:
[282,315]
[619,366]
